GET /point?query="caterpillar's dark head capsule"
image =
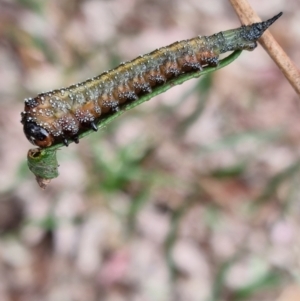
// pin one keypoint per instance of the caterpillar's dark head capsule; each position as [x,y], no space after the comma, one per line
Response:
[37,135]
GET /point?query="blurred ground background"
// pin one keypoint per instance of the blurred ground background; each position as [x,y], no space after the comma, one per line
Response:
[191,196]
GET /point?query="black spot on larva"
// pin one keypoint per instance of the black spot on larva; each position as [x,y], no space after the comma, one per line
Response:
[127,96]
[142,88]
[157,80]
[192,66]
[31,102]
[65,142]
[172,72]
[75,138]
[94,126]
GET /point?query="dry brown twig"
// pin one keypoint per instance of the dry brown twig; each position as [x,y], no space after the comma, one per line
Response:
[247,16]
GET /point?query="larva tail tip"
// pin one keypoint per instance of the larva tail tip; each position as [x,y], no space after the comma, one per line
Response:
[272,20]
[256,30]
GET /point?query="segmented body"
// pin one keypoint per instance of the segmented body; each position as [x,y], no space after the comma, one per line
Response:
[59,115]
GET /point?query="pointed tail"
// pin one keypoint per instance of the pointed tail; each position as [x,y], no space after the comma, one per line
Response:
[254,31]
[244,37]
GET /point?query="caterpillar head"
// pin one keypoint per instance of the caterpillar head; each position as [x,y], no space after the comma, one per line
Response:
[37,135]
